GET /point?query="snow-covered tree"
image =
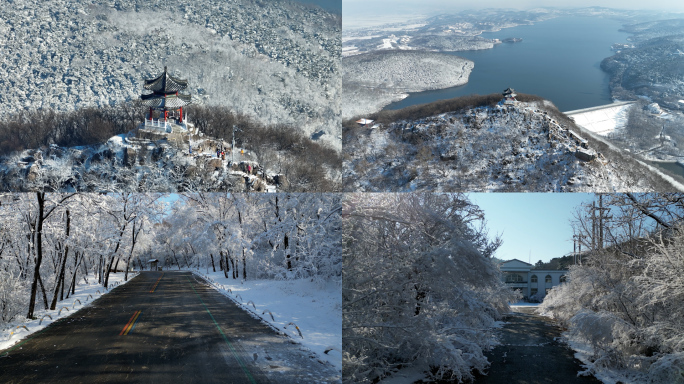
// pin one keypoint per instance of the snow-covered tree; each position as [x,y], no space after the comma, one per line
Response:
[626,297]
[419,286]
[86,235]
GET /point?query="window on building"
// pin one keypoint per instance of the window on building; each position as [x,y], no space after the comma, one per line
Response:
[563,279]
[547,279]
[533,278]
[533,291]
[513,278]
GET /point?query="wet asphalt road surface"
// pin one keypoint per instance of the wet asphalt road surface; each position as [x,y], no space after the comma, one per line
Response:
[531,354]
[161,327]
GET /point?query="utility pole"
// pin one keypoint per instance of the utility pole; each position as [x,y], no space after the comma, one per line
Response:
[577,248]
[597,224]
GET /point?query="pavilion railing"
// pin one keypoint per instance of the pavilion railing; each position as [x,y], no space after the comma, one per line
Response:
[158,124]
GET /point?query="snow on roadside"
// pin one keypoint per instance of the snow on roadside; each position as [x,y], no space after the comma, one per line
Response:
[408,375]
[584,353]
[86,293]
[315,309]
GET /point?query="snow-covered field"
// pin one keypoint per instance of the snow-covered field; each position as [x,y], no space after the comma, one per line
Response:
[85,294]
[316,309]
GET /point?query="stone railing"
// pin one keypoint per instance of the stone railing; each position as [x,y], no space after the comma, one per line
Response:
[158,124]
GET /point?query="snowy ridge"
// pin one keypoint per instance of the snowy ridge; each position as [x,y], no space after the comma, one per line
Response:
[86,294]
[318,324]
[125,164]
[521,147]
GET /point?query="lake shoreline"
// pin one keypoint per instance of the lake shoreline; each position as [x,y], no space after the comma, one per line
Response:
[583,80]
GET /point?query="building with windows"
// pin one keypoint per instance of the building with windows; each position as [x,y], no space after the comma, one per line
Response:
[520,275]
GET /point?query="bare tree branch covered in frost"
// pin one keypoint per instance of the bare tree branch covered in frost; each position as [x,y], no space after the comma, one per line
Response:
[419,286]
[51,241]
[623,304]
[274,236]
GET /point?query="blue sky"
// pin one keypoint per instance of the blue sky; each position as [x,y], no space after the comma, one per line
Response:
[530,223]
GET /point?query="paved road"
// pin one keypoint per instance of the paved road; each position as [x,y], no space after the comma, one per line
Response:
[529,354]
[161,327]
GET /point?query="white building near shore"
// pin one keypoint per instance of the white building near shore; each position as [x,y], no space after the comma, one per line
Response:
[520,275]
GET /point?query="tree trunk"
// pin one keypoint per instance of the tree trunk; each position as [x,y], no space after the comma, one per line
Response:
[111,261]
[213,266]
[134,238]
[85,269]
[244,265]
[175,258]
[109,269]
[286,242]
[42,290]
[99,271]
[77,263]
[60,279]
[39,253]
[226,266]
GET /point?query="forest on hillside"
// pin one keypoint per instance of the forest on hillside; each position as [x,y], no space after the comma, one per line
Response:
[64,165]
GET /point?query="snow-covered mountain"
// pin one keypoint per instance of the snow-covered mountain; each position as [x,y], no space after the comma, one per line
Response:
[277,61]
[529,146]
[160,164]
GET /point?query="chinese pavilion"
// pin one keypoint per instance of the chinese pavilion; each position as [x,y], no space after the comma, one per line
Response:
[509,96]
[165,98]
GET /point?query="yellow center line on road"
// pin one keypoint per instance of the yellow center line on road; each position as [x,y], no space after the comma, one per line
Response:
[130,323]
[157,283]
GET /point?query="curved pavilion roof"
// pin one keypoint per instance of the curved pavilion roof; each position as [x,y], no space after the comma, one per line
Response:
[165,92]
[509,91]
[166,101]
[165,83]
